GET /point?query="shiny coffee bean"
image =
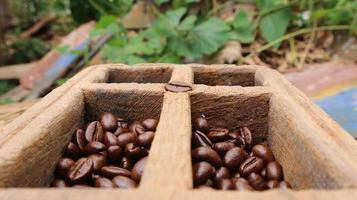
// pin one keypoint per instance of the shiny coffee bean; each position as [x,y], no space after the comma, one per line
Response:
[113,171]
[222,147]
[273,184]
[234,158]
[274,171]
[222,173]
[199,139]
[257,182]
[94,132]
[137,128]
[178,86]
[94,147]
[109,122]
[98,161]
[102,182]
[146,138]
[263,152]
[150,124]
[109,139]
[218,134]
[80,170]
[202,171]
[59,183]
[126,163]
[124,182]
[114,154]
[224,184]
[80,139]
[72,151]
[63,165]
[284,185]
[121,130]
[241,184]
[252,164]
[126,138]
[134,151]
[206,154]
[246,135]
[201,124]
[138,169]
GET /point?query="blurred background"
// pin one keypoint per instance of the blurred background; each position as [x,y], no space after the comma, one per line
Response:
[313,43]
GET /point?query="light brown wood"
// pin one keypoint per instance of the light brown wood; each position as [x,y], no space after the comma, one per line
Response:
[318,157]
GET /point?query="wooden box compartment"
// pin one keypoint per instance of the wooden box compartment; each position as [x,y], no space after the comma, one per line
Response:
[317,155]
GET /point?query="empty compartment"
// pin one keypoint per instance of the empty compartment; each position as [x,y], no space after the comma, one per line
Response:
[140,75]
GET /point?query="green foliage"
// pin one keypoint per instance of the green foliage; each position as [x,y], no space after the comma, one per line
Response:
[242,28]
[6,85]
[27,50]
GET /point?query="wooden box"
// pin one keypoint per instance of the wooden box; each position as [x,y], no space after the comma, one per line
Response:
[318,157]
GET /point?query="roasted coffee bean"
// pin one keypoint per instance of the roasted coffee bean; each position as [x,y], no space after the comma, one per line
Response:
[102,182]
[94,132]
[234,158]
[224,184]
[284,185]
[218,134]
[146,138]
[59,183]
[236,175]
[109,122]
[252,164]
[121,130]
[263,173]
[98,161]
[222,147]
[206,154]
[124,182]
[134,151]
[110,139]
[209,183]
[201,124]
[178,87]
[122,123]
[137,128]
[202,171]
[199,139]
[94,147]
[126,163]
[241,184]
[221,173]
[113,171]
[125,138]
[72,151]
[150,124]
[274,171]
[246,135]
[63,165]
[138,169]
[263,152]
[80,139]
[273,184]
[115,154]
[80,170]
[257,182]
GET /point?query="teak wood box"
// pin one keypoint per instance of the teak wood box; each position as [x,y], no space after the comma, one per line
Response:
[318,157]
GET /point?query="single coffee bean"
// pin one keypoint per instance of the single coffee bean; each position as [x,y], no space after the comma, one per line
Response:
[274,171]
[122,123]
[178,87]
[59,183]
[125,138]
[218,134]
[110,139]
[234,158]
[121,130]
[263,152]
[222,147]
[137,128]
[202,171]
[206,154]
[124,182]
[80,170]
[72,151]
[138,169]
[224,184]
[246,135]
[102,182]
[126,163]
[98,161]
[257,182]
[241,184]
[199,139]
[252,164]
[201,124]
[115,154]
[222,173]
[273,184]
[80,139]
[284,185]
[94,147]
[134,151]
[63,165]
[109,122]
[150,124]
[94,132]
[113,171]
[146,138]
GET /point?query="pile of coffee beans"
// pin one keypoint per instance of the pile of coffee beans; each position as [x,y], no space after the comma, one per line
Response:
[109,153]
[230,160]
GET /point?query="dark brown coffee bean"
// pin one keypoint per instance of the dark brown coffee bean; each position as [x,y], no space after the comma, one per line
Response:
[121,130]
[109,122]
[126,163]
[124,182]
[137,128]
[234,158]
[94,147]
[273,184]
[241,184]
[122,123]
[94,132]
[222,173]
[98,161]
[284,185]
[209,183]
[138,169]
[263,173]
[110,139]
[263,152]
[257,182]
[202,171]
[72,151]
[224,184]
[150,124]
[274,171]
[113,171]
[63,165]
[134,151]
[59,183]
[178,87]
[252,164]
[80,139]
[80,171]
[102,182]
[236,175]
[218,134]
[125,138]
[146,138]
[222,147]
[201,124]
[199,139]
[246,135]
[206,154]
[115,154]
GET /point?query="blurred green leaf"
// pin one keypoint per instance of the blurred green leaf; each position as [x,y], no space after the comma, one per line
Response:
[243,29]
